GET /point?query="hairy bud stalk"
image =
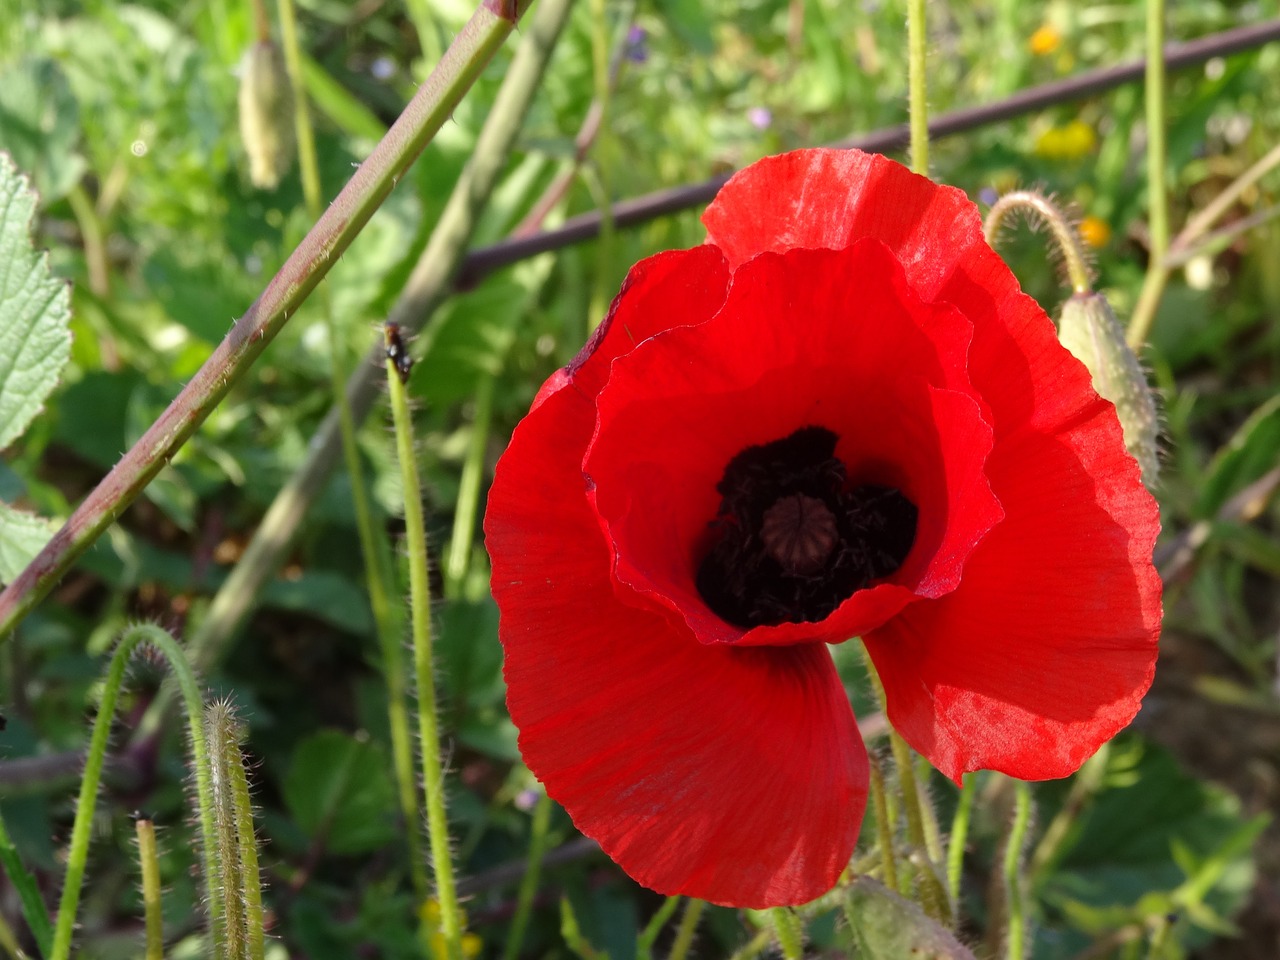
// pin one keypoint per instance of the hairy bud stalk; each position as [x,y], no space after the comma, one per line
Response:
[1088,328]
[266,114]
[236,862]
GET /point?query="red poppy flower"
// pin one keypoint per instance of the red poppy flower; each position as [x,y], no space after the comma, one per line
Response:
[840,417]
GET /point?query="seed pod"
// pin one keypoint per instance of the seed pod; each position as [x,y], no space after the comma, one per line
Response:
[1088,328]
[266,114]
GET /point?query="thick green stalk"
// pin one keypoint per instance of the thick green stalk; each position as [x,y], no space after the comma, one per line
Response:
[1144,313]
[884,826]
[373,548]
[420,615]
[149,866]
[790,932]
[917,85]
[319,250]
[81,828]
[933,895]
[529,882]
[427,287]
[688,927]
[464,517]
[250,889]
[230,937]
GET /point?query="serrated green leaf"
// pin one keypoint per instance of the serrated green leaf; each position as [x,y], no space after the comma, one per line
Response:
[35,310]
[22,535]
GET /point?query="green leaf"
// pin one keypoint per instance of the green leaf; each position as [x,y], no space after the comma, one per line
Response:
[33,907]
[35,310]
[1249,454]
[339,791]
[22,536]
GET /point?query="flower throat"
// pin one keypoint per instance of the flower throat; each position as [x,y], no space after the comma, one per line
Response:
[790,543]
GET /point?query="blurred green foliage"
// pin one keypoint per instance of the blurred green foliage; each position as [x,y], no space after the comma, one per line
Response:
[124,116]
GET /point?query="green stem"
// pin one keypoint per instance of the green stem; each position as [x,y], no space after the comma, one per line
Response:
[917,46]
[884,827]
[1016,926]
[95,245]
[149,865]
[933,895]
[529,882]
[1066,235]
[1157,149]
[250,876]
[790,932]
[373,547]
[464,517]
[420,610]
[230,936]
[960,836]
[1153,284]
[342,220]
[649,935]
[688,926]
[425,290]
[81,828]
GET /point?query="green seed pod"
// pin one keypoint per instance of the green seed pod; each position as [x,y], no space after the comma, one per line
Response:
[1088,328]
[266,114]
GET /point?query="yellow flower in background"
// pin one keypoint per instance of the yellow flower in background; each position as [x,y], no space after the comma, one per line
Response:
[1095,232]
[1070,142]
[429,914]
[1045,40]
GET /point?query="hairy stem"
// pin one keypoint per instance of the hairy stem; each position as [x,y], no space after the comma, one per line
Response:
[81,828]
[420,616]
[1040,207]
[373,546]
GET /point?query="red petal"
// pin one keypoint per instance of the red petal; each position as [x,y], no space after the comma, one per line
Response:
[828,338]
[825,198]
[1045,650]
[1049,643]
[668,289]
[735,776]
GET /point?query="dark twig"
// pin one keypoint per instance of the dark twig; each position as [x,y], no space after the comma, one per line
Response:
[651,206]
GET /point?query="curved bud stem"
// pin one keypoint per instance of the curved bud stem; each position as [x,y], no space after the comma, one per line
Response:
[1040,208]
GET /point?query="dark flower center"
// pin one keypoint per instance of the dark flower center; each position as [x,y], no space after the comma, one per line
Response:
[790,542]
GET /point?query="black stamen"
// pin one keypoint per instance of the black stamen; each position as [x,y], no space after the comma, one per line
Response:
[791,542]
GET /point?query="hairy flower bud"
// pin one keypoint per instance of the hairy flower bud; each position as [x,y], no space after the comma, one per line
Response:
[1088,328]
[266,114]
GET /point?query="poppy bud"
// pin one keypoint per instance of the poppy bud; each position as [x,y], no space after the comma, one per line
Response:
[1088,328]
[266,114]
